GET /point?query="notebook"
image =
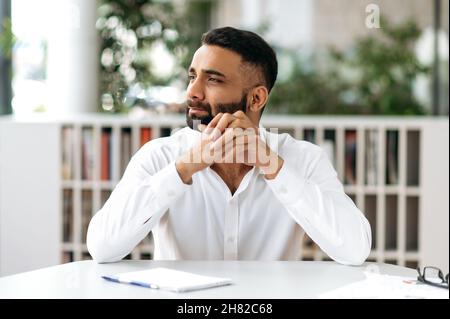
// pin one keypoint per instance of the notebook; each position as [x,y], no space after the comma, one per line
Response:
[168,279]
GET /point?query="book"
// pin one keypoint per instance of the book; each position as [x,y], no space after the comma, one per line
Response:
[67,153]
[146,135]
[350,158]
[392,158]
[166,131]
[67,215]
[371,157]
[86,211]
[104,195]
[87,153]
[105,172]
[309,135]
[167,279]
[125,153]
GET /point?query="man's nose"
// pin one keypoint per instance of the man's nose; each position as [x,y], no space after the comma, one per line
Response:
[195,90]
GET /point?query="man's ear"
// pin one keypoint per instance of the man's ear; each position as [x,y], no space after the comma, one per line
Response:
[258,98]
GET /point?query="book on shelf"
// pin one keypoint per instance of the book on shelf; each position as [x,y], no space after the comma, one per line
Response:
[86,212]
[105,171]
[309,135]
[126,151]
[392,157]
[371,157]
[166,131]
[146,135]
[67,153]
[350,158]
[67,257]
[67,206]
[86,256]
[104,195]
[308,242]
[87,153]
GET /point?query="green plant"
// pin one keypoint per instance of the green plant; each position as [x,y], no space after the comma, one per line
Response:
[7,39]
[130,31]
[375,77]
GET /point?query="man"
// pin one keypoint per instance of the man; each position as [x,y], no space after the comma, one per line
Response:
[233,191]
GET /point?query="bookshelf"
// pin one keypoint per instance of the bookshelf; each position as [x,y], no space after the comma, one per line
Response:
[395,169]
[105,146]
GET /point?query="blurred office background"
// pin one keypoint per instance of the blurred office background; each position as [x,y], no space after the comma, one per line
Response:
[83,84]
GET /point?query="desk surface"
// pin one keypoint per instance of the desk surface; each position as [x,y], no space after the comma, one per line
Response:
[251,279]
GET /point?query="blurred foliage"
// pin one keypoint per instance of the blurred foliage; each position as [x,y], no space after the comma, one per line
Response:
[131,29]
[375,77]
[7,38]
[7,41]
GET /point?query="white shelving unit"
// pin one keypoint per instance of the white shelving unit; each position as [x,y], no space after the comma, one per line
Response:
[407,206]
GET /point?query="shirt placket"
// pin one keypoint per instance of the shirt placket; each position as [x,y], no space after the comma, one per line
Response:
[231,229]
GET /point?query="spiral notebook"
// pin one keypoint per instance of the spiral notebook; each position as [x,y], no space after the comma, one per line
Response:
[168,279]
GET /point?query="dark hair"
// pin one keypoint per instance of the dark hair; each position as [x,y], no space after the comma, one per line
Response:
[250,46]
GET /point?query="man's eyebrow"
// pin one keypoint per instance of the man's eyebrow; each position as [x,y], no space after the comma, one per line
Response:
[208,71]
[213,72]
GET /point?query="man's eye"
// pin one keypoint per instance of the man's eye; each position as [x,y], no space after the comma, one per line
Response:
[215,80]
[191,77]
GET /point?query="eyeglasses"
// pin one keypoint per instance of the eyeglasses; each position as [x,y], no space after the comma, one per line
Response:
[433,276]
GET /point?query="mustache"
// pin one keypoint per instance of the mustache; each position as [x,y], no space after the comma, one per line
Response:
[199,105]
[206,119]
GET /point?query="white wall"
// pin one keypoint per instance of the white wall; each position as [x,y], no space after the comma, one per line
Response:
[290,20]
[29,204]
[73,57]
[434,239]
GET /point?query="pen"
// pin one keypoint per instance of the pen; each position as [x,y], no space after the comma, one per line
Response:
[143,284]
[111,279]
[136,283]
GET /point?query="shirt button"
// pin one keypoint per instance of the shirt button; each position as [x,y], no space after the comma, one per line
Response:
[171,193]
[283,190]
[230,239]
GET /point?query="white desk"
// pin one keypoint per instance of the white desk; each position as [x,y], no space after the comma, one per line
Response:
[251,279]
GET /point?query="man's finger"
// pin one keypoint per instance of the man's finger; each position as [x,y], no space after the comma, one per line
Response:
[239,123]
[239,114]
[210,128]
[226,119]
[223,139]
[214,121]
[231,136]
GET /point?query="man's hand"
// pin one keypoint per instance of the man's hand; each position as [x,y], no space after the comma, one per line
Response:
[198,157]
[229,138]
[237,140]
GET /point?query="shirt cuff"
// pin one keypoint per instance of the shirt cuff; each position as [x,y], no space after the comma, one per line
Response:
[167,184]
[288,186]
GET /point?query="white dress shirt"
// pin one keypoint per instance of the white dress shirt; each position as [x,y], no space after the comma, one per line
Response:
[263,220]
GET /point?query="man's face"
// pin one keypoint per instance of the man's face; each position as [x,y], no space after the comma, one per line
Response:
[216,84]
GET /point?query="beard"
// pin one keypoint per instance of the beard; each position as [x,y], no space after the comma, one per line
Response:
[221,108]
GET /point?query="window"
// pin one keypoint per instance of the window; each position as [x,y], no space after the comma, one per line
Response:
[29,25]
